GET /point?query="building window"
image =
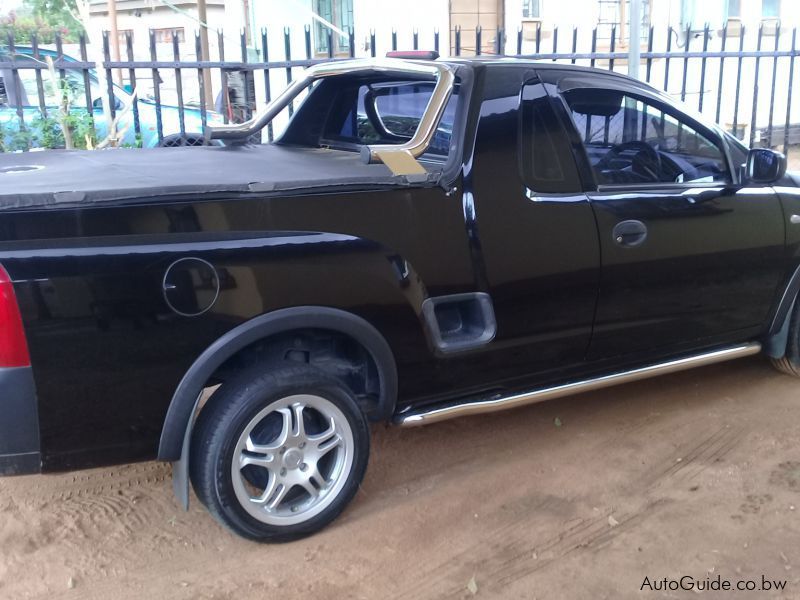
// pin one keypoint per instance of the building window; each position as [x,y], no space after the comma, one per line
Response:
[734,9]
[771,9]
[531,9]
[164,36]
[616,14]
[338,13]
[122,36]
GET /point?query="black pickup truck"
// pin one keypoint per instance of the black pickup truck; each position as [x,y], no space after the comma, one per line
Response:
[426,239]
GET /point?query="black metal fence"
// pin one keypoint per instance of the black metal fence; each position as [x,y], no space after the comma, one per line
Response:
[741,79]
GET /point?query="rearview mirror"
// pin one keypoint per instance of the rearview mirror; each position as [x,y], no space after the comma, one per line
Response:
[765,166]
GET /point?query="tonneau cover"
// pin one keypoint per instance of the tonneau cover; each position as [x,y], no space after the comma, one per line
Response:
[67,178]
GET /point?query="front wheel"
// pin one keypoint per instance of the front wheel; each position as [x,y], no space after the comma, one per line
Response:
[278,454]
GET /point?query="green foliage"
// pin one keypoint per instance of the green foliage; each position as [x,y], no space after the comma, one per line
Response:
[45,19]
[15,139]
[82,127]
[47,132]
[21,139]
[138,142]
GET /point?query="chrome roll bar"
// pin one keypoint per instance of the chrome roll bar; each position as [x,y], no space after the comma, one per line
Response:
[416,146]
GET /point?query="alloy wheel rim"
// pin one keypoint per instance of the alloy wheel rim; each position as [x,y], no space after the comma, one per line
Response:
[292,459]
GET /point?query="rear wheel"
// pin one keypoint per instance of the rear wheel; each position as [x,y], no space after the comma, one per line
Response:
[278,455]
[177,140]
[789,363]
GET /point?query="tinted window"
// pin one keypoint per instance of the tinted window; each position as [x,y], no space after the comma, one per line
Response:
[630,141]
[546,157]
[389,113]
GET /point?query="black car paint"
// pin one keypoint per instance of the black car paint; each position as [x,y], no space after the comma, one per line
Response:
[108,354]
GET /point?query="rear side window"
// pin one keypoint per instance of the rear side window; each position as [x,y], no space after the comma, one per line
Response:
[546,160]
[388,113]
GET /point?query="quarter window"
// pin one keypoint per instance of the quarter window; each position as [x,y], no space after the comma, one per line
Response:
[547,165]
[630,141]
[388,113]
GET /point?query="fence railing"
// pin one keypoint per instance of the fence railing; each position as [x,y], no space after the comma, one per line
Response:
[165,93]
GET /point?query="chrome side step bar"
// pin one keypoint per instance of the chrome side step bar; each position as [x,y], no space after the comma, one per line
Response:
[450,411]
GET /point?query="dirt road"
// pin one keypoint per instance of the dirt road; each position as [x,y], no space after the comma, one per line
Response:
[691,474]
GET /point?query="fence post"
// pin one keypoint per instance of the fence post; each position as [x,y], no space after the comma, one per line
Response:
[267,83]
[223,79]
[287,52]
[112,109]
[634,38]
[39,82]
[156,84]
[754,116]
[202,76]
[706,36]
[176,56]
[574,43]
[137,126]
[555,41]
[613,49]
[738,84]
[721,73]
[774,78]
[789,98]
[17,91]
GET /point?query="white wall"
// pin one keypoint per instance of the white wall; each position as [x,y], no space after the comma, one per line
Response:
[380,15]
[426,16]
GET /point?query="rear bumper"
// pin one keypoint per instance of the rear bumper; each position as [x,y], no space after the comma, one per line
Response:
[19,423]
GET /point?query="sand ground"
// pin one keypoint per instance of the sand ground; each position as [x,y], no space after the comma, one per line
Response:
[696,474]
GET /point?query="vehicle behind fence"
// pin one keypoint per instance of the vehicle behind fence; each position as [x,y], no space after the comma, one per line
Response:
[165,93]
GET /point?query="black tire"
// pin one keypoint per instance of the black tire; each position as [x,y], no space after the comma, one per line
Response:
[789,363]
[230,413]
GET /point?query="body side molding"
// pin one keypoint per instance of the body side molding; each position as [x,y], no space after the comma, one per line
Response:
[451,411]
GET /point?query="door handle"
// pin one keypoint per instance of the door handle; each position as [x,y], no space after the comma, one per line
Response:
[629,233]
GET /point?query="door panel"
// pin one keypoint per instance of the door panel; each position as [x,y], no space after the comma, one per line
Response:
[708,268]
[537,232]
[689,257]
